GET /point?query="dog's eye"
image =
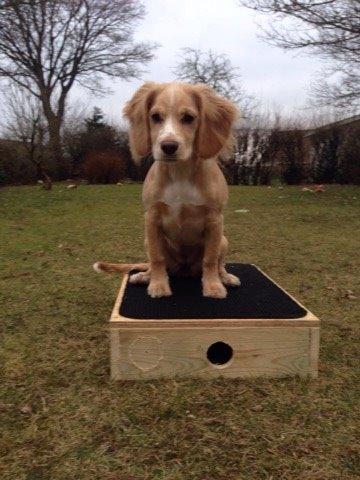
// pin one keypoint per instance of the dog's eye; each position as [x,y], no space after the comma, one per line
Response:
[156,118]
[187,118]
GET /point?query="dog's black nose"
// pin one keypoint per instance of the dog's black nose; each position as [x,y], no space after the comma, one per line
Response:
[169,148]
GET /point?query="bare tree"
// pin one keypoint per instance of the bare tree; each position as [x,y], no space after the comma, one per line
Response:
[26,124]
[216,70]
[46,46]
[77,110]
[327,28]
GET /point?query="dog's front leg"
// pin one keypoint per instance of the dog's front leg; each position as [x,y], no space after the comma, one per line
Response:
[155,245]
[212,285]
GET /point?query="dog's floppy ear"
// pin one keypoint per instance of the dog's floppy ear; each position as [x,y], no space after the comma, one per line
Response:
[217,116]
[136,111]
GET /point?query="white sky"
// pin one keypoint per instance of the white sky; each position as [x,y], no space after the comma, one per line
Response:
[273,76]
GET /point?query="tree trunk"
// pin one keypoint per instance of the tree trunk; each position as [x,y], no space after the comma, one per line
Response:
[54,120]
[47,185]
[54,125]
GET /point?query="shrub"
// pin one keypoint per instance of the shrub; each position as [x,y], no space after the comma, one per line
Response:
[326,144]
[14,166]
[253,163]
[336,154]
[104,166]
[292,156]
[349,157]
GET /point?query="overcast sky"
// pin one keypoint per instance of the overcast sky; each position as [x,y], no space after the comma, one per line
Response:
[272,75]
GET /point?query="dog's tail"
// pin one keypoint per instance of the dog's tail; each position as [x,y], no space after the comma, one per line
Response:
[119,267]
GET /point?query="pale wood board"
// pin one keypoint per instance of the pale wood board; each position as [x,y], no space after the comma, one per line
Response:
[259,351]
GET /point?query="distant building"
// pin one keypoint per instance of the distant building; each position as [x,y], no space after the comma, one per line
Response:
[340,125]
[329,153]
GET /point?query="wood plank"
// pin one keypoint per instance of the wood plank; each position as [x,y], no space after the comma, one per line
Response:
[115,356]
[259,351]
[314,351]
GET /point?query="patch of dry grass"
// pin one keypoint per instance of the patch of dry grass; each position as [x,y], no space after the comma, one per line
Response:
[61,416]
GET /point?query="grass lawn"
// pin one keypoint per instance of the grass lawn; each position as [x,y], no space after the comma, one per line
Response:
[62,418]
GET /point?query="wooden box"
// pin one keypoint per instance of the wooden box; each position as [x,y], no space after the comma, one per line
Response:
[263,332]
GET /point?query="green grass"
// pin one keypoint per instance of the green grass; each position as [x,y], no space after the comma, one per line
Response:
[62,418]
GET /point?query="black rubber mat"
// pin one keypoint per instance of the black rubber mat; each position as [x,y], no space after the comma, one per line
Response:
[257,297]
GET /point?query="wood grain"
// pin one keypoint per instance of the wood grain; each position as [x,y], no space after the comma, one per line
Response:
[259,351]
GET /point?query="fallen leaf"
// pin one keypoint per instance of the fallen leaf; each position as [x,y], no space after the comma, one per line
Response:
[257,408]
[349,294]
[44,405]
[6,406]
[107,448]
[351,297]
[26,410]
[271,451]
[212,421]
[304,450]
[125,421]
[319,188]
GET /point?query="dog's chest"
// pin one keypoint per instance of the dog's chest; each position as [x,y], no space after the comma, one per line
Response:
[179,194]
[184,214]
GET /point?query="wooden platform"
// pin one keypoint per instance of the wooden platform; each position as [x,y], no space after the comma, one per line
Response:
[144,348]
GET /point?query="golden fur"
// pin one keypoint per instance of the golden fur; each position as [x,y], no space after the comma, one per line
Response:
[185,191]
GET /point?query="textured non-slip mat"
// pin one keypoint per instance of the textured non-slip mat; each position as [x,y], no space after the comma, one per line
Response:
[257,297]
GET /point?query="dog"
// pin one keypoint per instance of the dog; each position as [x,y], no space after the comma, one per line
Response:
[184,127]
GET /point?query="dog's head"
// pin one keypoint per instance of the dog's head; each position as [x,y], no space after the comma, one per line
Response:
[178,121]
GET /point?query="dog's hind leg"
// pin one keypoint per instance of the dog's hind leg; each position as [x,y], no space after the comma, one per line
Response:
[140,277]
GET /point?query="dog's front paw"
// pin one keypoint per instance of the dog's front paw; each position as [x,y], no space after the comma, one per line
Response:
[230,280]
[214,290]
[159,289]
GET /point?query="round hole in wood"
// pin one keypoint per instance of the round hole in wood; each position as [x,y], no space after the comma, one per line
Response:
[219,353]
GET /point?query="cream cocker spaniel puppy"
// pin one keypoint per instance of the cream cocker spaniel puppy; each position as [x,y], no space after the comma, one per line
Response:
[184,127]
